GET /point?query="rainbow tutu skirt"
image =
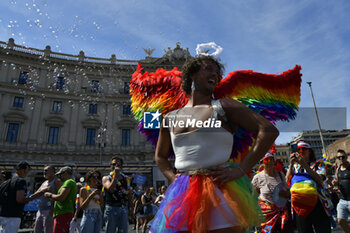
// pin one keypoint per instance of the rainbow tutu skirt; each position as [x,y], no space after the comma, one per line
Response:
[190,199]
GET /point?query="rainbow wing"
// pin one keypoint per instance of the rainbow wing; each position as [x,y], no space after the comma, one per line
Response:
[276,97]
[160,91]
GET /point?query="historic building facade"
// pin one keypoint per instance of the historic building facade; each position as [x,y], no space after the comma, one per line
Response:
[64,109]
[329,137]
[283,154]
[340,144]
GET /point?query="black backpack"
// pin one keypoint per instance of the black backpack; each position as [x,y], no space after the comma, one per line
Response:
[5,191]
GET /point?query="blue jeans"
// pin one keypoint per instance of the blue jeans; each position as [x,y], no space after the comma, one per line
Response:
[343,209]
[116,217]
[91,221]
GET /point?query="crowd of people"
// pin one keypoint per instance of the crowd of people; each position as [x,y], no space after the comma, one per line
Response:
[65,205]
[305,195]
[288,198]
[208,192]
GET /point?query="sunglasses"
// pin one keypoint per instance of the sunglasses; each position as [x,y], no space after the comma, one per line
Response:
[267,160]
[115,164]
[60,175]
[95,176]
[341,157]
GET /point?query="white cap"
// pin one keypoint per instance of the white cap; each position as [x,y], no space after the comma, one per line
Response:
[303,144]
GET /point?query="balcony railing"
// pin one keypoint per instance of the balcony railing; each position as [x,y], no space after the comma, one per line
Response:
[48,53]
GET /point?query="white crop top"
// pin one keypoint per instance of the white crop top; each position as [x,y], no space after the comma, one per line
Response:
[93,204]
[203,147]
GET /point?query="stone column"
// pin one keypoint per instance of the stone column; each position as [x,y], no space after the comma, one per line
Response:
[5,71]
[43,80]
[35,123]
[73,141]
[1,104]
[110,126]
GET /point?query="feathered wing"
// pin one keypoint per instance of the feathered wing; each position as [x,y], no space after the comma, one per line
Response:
[276,97]
[160,90]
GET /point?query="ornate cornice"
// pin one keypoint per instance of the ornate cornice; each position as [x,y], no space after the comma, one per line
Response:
[55,121]
[15,117]
[91,123]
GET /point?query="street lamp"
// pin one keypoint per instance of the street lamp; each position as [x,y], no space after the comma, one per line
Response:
[318,120]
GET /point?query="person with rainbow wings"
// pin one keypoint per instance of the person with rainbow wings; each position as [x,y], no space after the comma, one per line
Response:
[210,191]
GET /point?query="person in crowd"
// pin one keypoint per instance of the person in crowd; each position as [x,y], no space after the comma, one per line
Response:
[160,196]
[64,200]
[309,211]
[201,157]
[327,186]
[330,186]
[342,180]
[91,200]
[44,219]
[78,213]
[153,194]
[138,212]
[2,178]
[147,202]
[12,208]
[279,166]
[265,182]
[132,215]
[117,198]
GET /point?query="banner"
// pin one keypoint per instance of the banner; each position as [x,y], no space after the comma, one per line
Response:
[138,179]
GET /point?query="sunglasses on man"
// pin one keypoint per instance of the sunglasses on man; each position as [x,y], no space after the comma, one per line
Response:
[341,157]
[60,175]
[116,164]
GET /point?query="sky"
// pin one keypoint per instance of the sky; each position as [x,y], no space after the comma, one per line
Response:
[265,36]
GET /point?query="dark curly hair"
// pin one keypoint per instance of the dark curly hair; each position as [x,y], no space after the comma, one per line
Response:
[341,152]
[312,157]
[192,66]
[119,159]
[91,173]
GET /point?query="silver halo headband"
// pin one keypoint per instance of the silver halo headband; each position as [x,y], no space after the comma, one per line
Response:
[210,45]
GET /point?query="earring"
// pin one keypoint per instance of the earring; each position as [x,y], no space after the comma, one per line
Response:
[192,86]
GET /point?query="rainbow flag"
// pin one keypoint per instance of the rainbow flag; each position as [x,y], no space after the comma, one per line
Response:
[304,194]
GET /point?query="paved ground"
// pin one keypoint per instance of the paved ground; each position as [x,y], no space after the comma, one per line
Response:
[336,230]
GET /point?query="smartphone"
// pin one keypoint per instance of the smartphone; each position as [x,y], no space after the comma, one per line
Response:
[294,148]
